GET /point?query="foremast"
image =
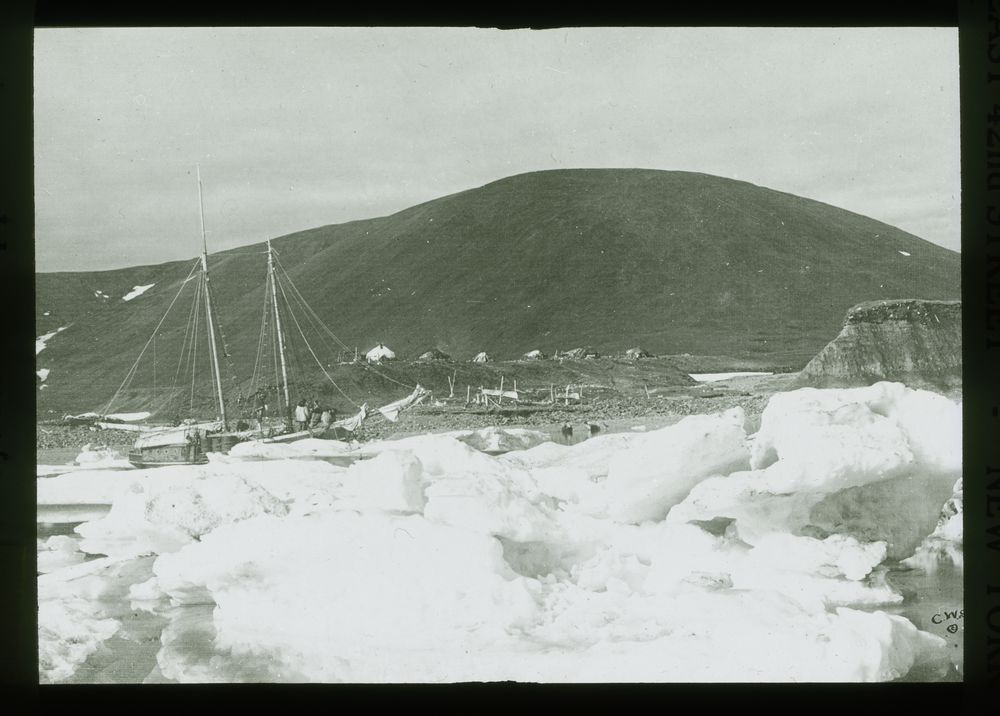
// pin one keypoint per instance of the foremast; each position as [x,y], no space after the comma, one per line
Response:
[277,326]
[213,348]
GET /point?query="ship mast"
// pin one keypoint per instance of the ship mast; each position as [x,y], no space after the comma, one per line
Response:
[277,325]
[213,348]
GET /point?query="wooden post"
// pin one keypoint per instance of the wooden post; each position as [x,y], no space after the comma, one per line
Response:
[500,397]
[567,395]
[468,390]
[355,354]
[552,393]
[647,390]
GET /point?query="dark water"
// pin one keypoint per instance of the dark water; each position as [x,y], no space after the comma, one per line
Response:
[934,603]
[56,456]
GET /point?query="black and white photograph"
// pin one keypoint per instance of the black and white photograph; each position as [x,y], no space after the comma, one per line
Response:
[438,355]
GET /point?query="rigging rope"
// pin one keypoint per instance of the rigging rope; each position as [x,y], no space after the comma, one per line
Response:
[309,310]
[184,345]
[315,358]
[194,344]
[260,345]
[132,370]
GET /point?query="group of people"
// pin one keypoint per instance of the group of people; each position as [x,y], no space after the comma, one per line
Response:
[306,415]
[592,428]
[311,415]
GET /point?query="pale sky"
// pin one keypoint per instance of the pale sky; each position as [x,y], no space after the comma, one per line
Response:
[300,127]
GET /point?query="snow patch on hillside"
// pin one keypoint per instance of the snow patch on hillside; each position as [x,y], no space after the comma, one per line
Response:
[43,339]
[136,292]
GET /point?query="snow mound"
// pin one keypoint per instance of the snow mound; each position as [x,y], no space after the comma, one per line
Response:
[813,438]
[57,552]
[160,515]
[644,482]
[391,482]
[42,374]
[67,635]
[365,585]
[496,439]
[99,456]
[944,544]
[308,447]
[818,443]
[691,553]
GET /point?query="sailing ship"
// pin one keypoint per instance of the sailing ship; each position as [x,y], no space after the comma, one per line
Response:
[189,441]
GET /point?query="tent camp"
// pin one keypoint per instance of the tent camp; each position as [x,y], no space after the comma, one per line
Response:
[379,353]
[637,353]
[434,354]
[579,353]
[481,358]
[533,355]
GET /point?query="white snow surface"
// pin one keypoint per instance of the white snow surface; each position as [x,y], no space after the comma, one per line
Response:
[308,447]
[136,292]
[129,417]
[434,561]
[43,339]
[944,544]
[497,439]
[42,374]
[713,377]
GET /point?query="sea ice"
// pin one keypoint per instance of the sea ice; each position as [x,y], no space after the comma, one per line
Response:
[944,544]
[660,469]
[689,553]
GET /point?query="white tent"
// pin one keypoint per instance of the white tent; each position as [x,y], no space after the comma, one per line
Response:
[481,358]
[533,355]
[379,353]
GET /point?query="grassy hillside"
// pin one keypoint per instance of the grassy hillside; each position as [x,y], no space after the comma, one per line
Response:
[673,261]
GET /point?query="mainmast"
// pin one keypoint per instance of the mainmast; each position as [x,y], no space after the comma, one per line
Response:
[277,325]
[213,348]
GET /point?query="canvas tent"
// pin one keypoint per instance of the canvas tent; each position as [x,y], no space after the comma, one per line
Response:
[533,355]
[579,353]
[481,358]
[379,353]
[636,353]
[434,354]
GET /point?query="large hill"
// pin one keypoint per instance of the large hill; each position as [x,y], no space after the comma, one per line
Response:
[676,262]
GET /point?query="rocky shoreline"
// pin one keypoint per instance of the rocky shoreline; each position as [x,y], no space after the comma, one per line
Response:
[437,418]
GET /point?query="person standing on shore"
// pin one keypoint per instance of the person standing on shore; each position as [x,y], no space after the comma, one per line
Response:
[301,416]
[260,407]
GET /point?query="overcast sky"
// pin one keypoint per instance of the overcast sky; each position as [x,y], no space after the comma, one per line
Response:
[300,127]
